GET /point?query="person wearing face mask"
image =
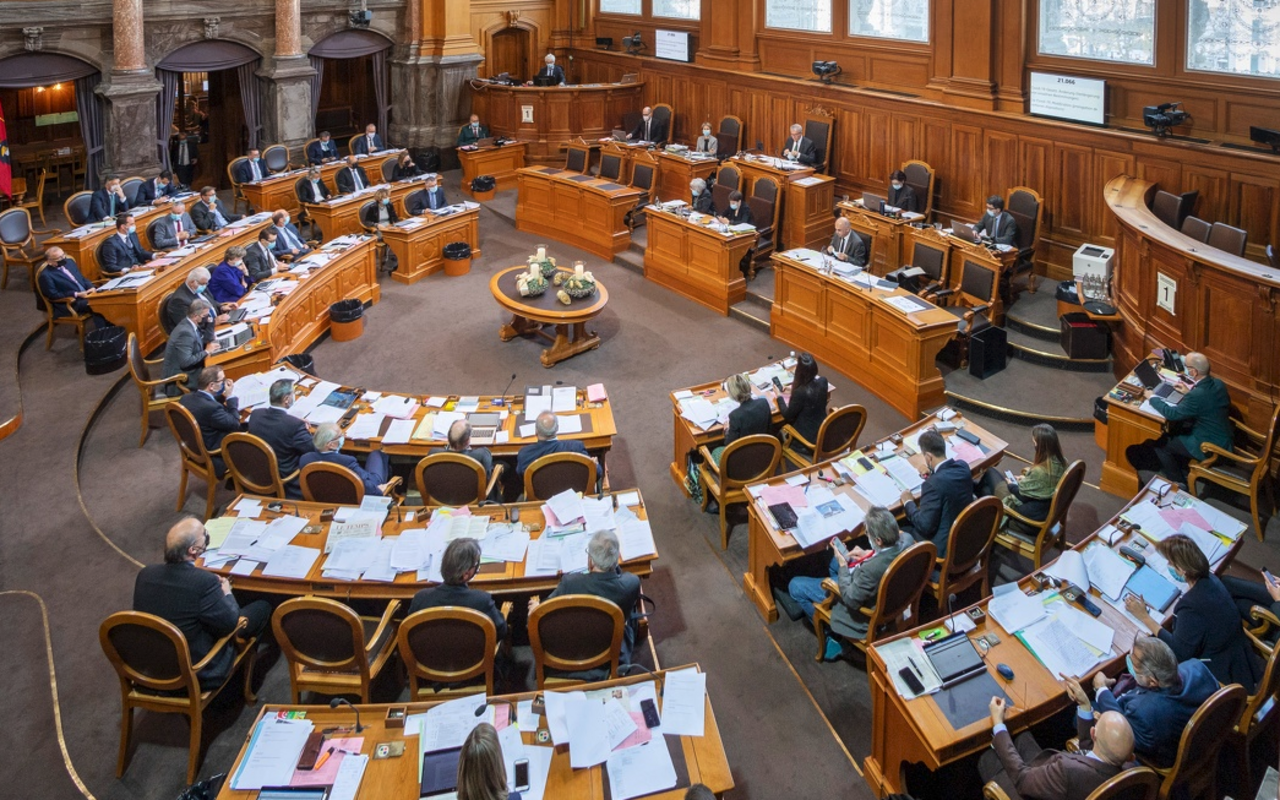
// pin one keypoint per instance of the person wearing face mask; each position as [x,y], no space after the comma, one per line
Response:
[215,410]
[312,188]
[738,212]
[430,197]
[260,257]
[195,286]
[1206,626]
[289,243]
[122,252]
[210,214]
[799,147]
[322,150]
[900,194]
[173,229]
[380,211]
[997,224]
[947,489]
[701,196]
[405,168]
[252,169]
[109,201]
[286,435]
[472,132]
[230,280]
[707,142]
[62,280]
[649,129]
[1204,411]
[328,441]
[352,177]
[158,187]
[1158,696]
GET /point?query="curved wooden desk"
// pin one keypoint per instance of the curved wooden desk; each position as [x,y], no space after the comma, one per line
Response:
[278,190]
[1174,291]
[547,117]
[530,314]
[577,209]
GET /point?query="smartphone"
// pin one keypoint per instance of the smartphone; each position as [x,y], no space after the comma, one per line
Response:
[1266,573]
[522,775]
[777,383]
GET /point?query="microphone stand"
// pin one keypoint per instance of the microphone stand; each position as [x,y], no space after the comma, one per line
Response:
[342,701]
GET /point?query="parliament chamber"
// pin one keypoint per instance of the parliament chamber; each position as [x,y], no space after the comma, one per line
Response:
[640,398]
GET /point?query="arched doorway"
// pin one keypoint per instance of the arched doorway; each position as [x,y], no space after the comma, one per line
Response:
[509,52]
[54,120]
[352,84]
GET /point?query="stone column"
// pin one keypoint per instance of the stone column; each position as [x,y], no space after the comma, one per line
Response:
[126,30]
[286,111]
[288,29]
[429,75]
[130,90]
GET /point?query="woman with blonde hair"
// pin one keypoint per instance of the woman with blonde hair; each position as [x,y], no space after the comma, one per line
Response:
[482,775]
[752,416]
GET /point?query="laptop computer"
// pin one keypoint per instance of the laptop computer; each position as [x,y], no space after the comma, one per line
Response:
[963,230]
[485,142]
[236,314]
[873,202]
[619,135]
[1151,379]
[546,80]
[440,773]
[233,338]
[484,427]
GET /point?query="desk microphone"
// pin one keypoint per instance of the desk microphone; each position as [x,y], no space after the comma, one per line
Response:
[503,397]
[951,613]
[493,701]
[342,701]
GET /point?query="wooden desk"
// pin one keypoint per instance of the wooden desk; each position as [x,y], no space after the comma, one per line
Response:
[83,249]
[769,548]
[676,170]
[1127,424]
[887,233]
[755,167]
[499,162]
[887,351]
[695,260]
[958,251]
[500,578]
[419,249]
[340,215]
[138,310]
[705,761]
[279,190]
[529,315]
[917,731]
[576,209]
[547,117]
[807,220]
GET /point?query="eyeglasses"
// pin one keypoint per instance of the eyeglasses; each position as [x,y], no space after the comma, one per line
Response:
[204,546]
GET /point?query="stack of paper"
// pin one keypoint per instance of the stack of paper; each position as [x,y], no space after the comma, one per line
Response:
[272,753]
[365,426]
[567,506]
[396,407]
[505,542]
[1013,609]
[878,487]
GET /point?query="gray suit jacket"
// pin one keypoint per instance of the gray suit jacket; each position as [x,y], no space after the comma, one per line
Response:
[860,586]
[852,247]
[166,231]
[183,353]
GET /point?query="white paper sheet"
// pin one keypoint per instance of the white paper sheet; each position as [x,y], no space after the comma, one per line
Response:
[365,426]
[291,561]
[642,770]
[569,423]
[683,703]
[564,399]
[879,488]
[588,734]
[505,543]
[273,754]
[567,506]
[1060,650]
[399,432]
[1108,570]
[347,782]
[635,539]
[1013,609]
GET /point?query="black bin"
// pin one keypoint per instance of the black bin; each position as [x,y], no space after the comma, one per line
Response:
[303,361]
[104,350]
[346,311]
[987,352]
[1084,338]
[1066,293]
[456,251]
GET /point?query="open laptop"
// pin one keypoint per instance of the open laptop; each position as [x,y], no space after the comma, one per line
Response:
[619,135]
[1151,379]
[232,338]
[546,80]
[484,427]
[485,142]
[963,230]
[873,202]
[440,773]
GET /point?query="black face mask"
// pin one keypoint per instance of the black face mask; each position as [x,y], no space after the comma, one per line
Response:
[62,262]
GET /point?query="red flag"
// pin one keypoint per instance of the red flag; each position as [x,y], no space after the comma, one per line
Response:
[6,169]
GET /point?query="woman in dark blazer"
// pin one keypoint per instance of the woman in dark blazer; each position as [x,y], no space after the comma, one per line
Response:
[807,407]
[1206,624]
[752,416]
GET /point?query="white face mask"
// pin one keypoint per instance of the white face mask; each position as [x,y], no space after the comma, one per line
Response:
[734,206]
[991,212]
[284,221]
[236,263]
[706,131]
[897,186]
[132,229]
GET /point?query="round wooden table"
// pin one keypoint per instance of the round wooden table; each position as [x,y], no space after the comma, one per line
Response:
[530,315]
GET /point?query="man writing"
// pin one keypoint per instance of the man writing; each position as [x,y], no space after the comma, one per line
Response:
[546,426]
[649,129]
[847,245]
[322,150]
[800,147]
[122,252]
[371,142]
[175,228]
[997,224]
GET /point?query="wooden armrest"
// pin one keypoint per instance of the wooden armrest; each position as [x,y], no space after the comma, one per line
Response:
[387,616]
[944,292]
[1263,614]
[505,609]
[708,460]
[1034,523]
[291,476]
[215,452]
[992,791]
[975,310]
[53,231]
[498,469]
[830,587]
[1073,745]
[1218,452]
[181,376]
[640,613]
[218,645]
[789,433]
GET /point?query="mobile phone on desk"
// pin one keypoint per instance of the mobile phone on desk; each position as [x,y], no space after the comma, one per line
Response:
[522,775]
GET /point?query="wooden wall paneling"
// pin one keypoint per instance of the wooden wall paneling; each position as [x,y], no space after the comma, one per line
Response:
[1213,202]
[966,162]
[1001,164]
[878,146]
[848,142]
[1180,326]
[1076,189]
[1225,321]
[1104,226]
[1168,174]
[1035,155]
[1254,204]
[935,150]
[906,142]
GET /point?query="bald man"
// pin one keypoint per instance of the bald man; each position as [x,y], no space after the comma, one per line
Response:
[1024,770]
[847,245]
[198,602]
[1203,413]
[546,426]
[649,129]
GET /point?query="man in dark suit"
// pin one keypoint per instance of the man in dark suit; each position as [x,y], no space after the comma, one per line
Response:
[546,426]
[847,245]
[460,442]
[260,257]
[371,142]
[195,287]
[209,213]
[184,154]
[110,201]
[252,169]
[900,194]
[323,150]
[649,129]
[1023,769]
[158,187]
[289,244]
[1204,417]
[286,435]
[472,132]
[738,212]
[997,224]
[458,566]
[604,578]
[429,198]
[197,601]
[352,177]
[550,70]
[312,189]
[62,280]
[185,351]
[122,252]
[701,196]
[945,493]
[216,411]
[173,230]
[328,441]
[800,147]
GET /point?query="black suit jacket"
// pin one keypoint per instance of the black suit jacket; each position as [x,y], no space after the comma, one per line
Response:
[702,203]
[55,285]
[554,71]
[175,311]
[100,205]
[742,216]
[807,409]
[147,192]
[657,131]
[944,495]
[399,173]
[260,261]
[904,198]
[622,588]
[369,215]
[852,246]
[421,203]
[215,417]
[749,419]
[115,255]
[244,173]
[346,184]
[808,152]
[203,217]
[287,436]
[362,144]
[1003,229]
[175,149]
[450,595]
[305,193]
[466,136]
[318,151]
[1207,626]
[192,599]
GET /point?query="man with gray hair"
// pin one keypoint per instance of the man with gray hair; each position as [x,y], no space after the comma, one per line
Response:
[1158,696]
[195,287]
[460,442]
[285,434]
[458,566]
[701,196]
[800,147]
[328,441]
[858,572]
[1204,411]
[185,351]
[605,578]
[545,426]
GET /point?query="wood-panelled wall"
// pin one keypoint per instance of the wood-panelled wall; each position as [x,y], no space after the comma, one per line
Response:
[975,153]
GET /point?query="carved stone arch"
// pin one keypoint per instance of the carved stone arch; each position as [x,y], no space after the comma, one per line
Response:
[170,38]
[70,48]
[509,21]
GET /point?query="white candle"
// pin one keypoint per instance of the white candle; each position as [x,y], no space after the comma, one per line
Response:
[577,269]
[542,254]
[533,270]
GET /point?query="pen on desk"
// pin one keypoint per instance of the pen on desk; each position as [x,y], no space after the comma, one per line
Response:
[912,662]
[323,758]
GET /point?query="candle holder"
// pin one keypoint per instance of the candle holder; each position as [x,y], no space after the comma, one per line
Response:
[545,263]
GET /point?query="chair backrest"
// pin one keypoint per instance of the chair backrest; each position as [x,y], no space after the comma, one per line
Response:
[901,586]
[642,176]
[1196,228]
[351,143]
[419,196]
[307,146]
[38,201]
[765,188]
[749,459]
[1025,206]
[575,633]
[148,652]
[323,482]
[76,209]
[1136,783]
[1264,703]
[1228,238]
[187,433]
[839,431]
[819,130]
[320,633]
[1195,768]
[163,310]
[1172,209]
[763,212]
[866,244]
[971,536]
[978,281]
[364,212]
[728,181]
[551,474]
[575,158]
[662,112]
[932,260]
[388,169]
[252,465]
[137,364]
[731,125]
[151,232]
[611,166]
[277,157]
[131,185]
[231,171]
[1065,494]
[450,479]
[15,227]
[920,177]
[447,644]
[41,299]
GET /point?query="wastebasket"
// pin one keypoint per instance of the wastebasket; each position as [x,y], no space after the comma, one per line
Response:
[104,350]
[302,361]
[1084,338]
[346,320]
[1068,300]
[457,259]
[987,352]
[483,188]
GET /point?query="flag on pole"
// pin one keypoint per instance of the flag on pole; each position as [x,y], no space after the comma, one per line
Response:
[6,169]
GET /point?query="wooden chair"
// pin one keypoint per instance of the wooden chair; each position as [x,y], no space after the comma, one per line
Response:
[1027,209]
[151,230]
[819,131]
[1030,538]
[973,291]
[1243,472]
[728,137]
[1224,237]
[662,112]
[454,479]
[1261,710]
[577,157]
[1172,209]
[330,649]
[130,186]
[1135,783]
[277,157]
[351,143]
[76,208]
[579,634]
[72,318]
[551,474]
[196,458]
[921,177]
[18,243]
[968,550]
[153,662]
[933,260]
[644,176]
[388,169]
[380,247]
[237,193]
[900,590]
[1194,774]
[323,482]
[611,166]
[839,432]
[746,460]
[766,209]
[306,160]
[253,466]
[445,649]
[37,203]
[1196,228]
[728,181]
[140,370]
